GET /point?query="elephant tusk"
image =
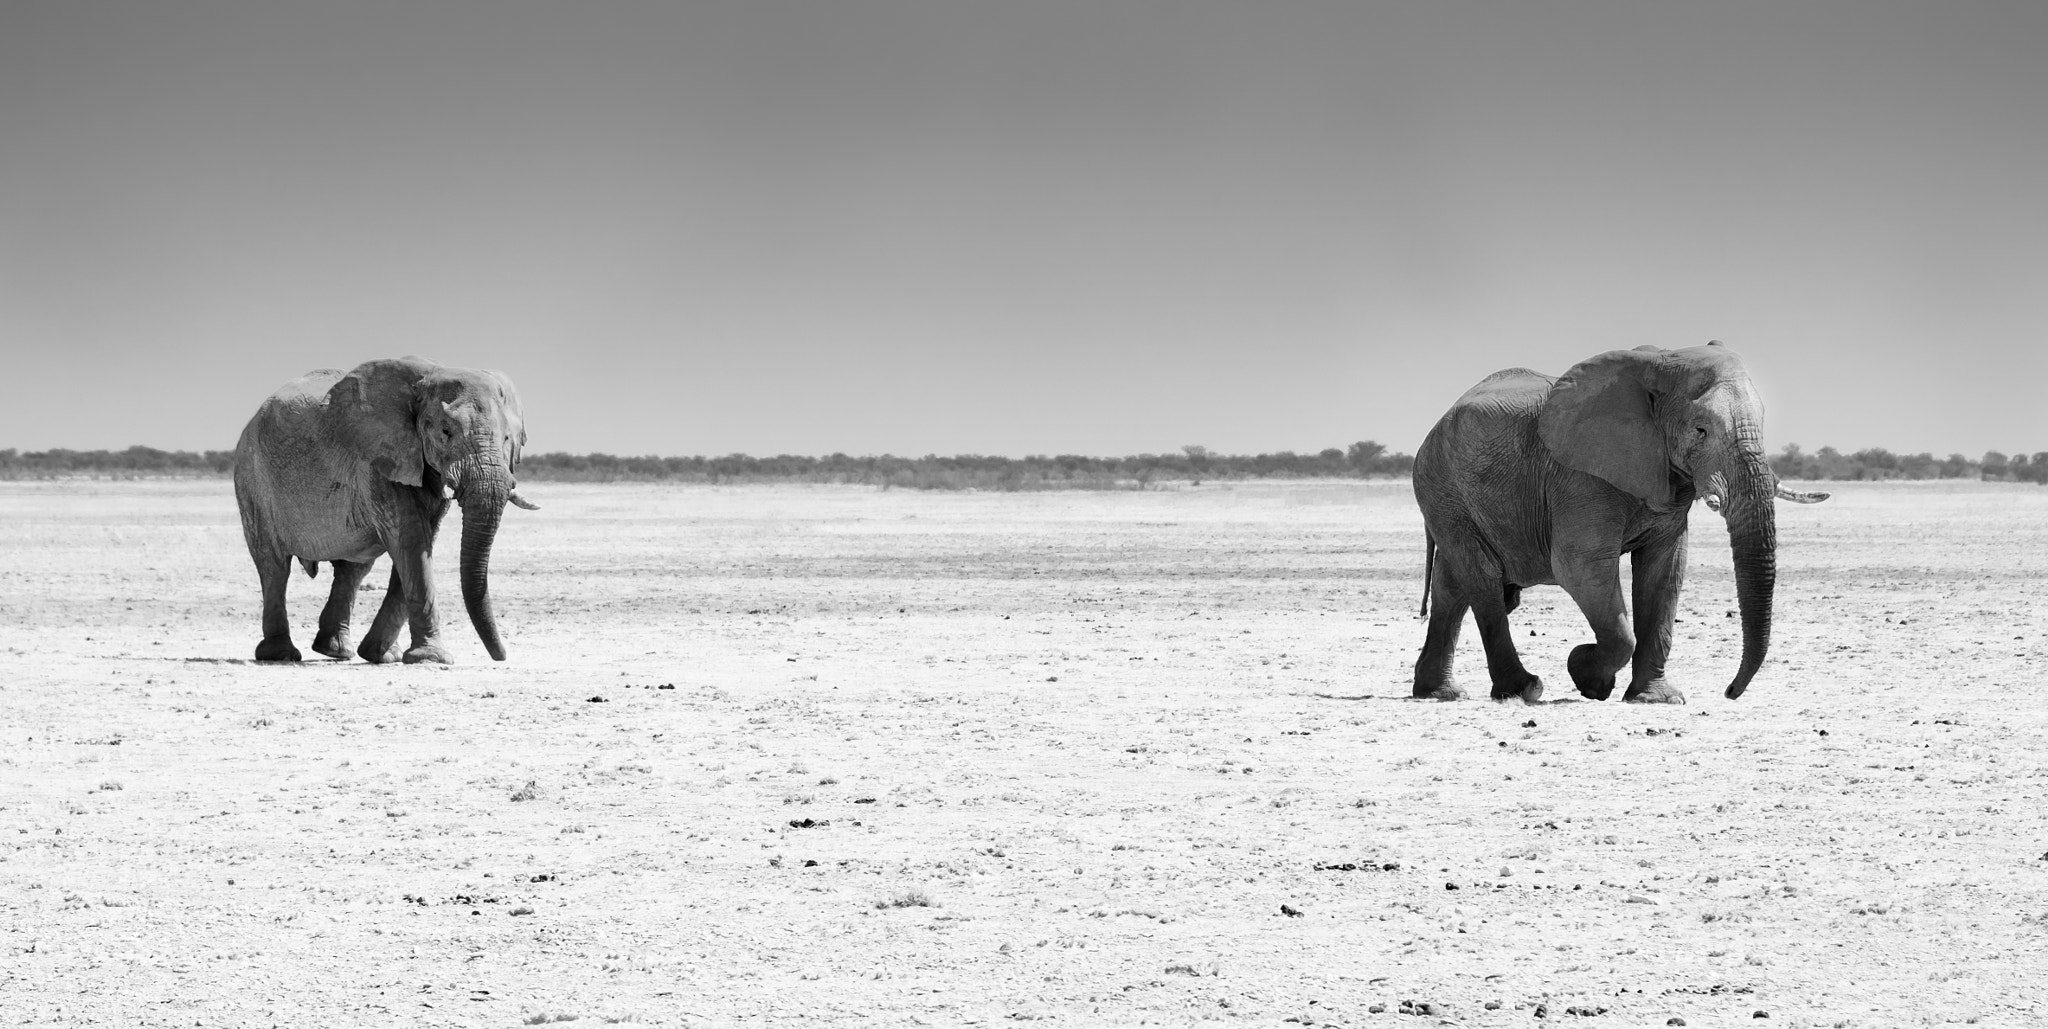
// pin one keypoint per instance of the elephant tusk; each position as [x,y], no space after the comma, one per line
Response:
[1795,496]
[523,502]
[1801,498]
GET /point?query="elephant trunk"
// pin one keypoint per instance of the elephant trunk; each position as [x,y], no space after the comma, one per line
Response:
[483,493]
[1753,537]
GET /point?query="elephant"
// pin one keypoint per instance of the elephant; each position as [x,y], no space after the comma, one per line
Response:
[343,467]
[1533,480]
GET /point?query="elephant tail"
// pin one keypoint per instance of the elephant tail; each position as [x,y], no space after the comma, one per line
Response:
[1428,568]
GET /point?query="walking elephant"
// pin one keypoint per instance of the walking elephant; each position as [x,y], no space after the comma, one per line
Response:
[344,467]
[1532,480]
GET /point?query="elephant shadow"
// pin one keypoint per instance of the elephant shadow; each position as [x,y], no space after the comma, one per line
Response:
[1407,698]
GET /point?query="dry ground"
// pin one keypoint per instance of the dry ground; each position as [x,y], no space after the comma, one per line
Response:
[834,756]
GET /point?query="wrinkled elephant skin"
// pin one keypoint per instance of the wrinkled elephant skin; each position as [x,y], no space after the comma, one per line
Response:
[344,467]
[1533,480]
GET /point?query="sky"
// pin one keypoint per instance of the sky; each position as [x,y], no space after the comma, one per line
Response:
[1020,226]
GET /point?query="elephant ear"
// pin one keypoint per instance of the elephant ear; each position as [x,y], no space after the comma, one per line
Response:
[1599,419]
[515,415]
[372,412]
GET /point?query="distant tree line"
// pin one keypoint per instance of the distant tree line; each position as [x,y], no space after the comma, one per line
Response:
[1194,464]
[131,463]
[1364,459]
[1879,463]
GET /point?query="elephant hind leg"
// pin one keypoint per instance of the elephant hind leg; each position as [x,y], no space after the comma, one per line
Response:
[1489,604]
[274,570]
[1492,598]
[1433,678]
[1503,662]
[332,639]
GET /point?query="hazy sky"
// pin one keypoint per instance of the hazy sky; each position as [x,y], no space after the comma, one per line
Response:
[1020,226]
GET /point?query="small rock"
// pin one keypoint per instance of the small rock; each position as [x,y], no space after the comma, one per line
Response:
[1450,886]
[1674,1020]
[1542,1011]
[1377,1009]
[1289,911]
[1761,1014]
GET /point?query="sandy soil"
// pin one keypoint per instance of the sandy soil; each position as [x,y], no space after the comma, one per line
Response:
[834,756]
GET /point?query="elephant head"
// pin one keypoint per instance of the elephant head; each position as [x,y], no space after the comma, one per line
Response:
[420,424]
[1664,426]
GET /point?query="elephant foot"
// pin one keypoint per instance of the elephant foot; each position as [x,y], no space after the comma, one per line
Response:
[276,650]
[378,653]
[1656,691]
[1441,691]
[336,646]
[1529,691]
[427,653]
[1591,685]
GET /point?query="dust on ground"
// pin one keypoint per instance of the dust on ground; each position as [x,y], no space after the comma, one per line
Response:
[838,756]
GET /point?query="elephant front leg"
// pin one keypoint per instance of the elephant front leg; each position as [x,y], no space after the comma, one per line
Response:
[1595,585]
[1659,576]
[380,644]
[414,569]
[332,639]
